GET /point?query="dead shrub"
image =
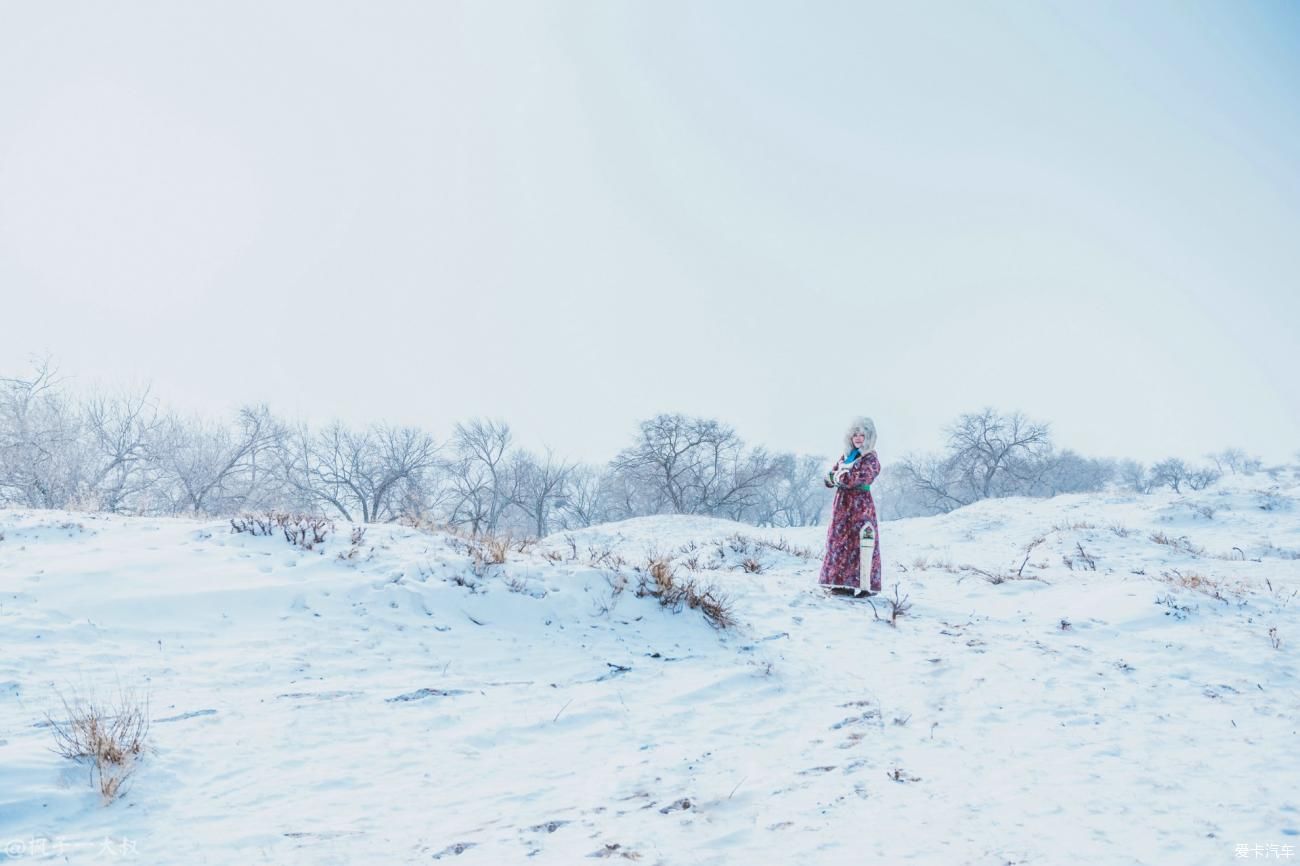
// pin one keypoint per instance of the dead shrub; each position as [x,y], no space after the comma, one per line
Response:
[740,543]
[604,557]
[617,582]
[751,565]
[659,580]
[301,530]
[993,577]
[354,546]
[896,607]
[1029,550]
[109,737]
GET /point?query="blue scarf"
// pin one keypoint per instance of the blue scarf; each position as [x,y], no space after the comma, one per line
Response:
[850,458]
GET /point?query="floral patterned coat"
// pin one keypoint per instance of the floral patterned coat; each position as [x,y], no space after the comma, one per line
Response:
[853,507]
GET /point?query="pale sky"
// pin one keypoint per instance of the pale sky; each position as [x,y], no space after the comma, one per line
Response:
[575,215]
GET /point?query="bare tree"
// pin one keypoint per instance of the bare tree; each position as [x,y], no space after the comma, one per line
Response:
[994,455]
[989,454]
[42,461]
[481,477]
[366,474]
[1068,472]
[209,468]
[933,480]
[1199,479]
[120,430]
[1134,476]
[695,465]
[542,487]
[1236,461]
[1170,473]
[587,500]
[793,494]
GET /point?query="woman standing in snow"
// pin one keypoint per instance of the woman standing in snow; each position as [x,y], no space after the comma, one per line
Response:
[851,476]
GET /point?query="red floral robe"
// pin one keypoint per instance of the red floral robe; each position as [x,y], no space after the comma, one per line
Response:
[852,508]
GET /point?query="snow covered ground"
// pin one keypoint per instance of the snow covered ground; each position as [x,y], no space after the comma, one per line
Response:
[1122,701]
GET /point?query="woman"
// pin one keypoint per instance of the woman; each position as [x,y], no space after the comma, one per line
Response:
[851,476]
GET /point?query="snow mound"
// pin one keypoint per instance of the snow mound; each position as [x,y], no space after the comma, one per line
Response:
[1108,675]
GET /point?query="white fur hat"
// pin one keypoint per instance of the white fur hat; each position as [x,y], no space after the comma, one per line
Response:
[865,426]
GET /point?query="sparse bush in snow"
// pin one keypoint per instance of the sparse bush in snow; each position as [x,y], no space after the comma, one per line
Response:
[109,737]
[895,607]
[301,530]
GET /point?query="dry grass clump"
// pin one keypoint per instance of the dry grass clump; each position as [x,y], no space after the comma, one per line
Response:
[1069,527]
[1180,544]
[659,580]
[109,737]
[923,563]
[493,548]
[1213,587]
[749,544]
[487,549]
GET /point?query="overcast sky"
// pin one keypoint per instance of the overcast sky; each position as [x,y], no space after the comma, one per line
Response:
[575,215]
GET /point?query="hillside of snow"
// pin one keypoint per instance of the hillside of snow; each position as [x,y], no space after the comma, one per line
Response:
[1104,678]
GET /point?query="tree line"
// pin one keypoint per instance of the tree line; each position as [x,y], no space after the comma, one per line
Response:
[122,453]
